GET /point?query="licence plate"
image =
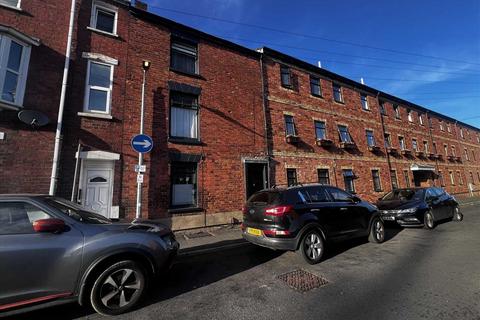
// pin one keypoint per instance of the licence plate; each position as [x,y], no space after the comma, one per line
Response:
[389,218]
[255,232]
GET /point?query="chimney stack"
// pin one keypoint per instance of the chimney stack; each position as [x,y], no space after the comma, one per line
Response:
[141,5]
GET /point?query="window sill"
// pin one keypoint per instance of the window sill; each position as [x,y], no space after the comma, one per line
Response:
[95,115]
[366,110]
[183,73]
[9,106]
[6,6]
[105,33]
[185,141]
[339,102]
[184,210]
[317,96]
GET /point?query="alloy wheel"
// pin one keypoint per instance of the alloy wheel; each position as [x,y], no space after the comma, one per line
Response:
[379,231]
[429,220]
[313,246]
[120,288]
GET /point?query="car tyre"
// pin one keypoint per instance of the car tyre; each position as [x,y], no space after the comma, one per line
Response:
[428,221]
[118,288]
[377,231]
[457,215]
[312,246]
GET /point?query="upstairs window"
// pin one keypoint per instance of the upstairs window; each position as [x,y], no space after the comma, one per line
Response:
[98,93]
[315,88]
[382,108]
[410,115]
[104,17]
[291,177]
[445,149]
[11,3]
[14,59]
[473,155]
[337,93]
[452,178]
[425,146]
[370,138]
[290,126]
[323,176]
[442,128]
[430,122]
[435,148]
[285,76]
[183,115]
[414,145]
[344,134]
[449,129]
[461,133]
[420,119]
[184,56]
[407,178]
[396,110]
[401,142]
[388,142]
[466,155]
[364,99]
[454,153]
[320,130]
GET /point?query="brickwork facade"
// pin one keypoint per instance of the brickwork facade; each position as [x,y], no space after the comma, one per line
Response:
[236,107]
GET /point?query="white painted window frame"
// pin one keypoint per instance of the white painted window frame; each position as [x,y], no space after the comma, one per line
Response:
[88,87]
[105,7]
[5,43]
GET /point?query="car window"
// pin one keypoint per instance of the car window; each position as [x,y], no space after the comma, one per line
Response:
[430,194]
[317,194]
[76,211]
[404,195]
[339,195]
[439,191]
[265,197]
[18,217]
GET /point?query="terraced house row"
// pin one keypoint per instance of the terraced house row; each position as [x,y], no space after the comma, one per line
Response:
[225,120]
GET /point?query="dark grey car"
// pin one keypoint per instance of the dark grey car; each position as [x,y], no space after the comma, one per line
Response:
[52,251]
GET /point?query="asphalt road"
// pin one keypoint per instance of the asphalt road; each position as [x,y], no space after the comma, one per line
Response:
[415,274]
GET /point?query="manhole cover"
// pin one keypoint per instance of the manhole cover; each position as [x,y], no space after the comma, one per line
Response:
[302,280]
[200,234]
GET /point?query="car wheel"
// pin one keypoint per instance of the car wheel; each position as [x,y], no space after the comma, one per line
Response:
[118,288]
[428,222]
[312,247]
[457,215]
[377,231]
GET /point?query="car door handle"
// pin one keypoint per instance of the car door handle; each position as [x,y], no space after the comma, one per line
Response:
[343,209]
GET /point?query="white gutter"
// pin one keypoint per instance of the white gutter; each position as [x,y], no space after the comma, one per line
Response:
[61,107]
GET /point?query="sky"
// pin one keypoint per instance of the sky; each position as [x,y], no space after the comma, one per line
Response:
[424,51]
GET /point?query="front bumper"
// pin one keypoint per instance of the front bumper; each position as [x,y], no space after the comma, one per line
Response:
[284,244]
[404,220]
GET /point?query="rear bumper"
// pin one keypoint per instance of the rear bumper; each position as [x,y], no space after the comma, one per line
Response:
[284,244]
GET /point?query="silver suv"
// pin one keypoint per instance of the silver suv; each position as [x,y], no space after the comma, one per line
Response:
[52,251]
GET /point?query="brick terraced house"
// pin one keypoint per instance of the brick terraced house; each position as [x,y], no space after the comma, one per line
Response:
[225,120]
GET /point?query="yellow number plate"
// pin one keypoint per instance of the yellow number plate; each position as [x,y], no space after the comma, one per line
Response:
[255,232]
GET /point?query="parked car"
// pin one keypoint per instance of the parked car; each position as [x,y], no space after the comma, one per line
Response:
[304,218]
[52,251]
[418,207]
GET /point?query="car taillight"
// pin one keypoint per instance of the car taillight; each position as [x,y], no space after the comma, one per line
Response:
[274,232]
[278,211]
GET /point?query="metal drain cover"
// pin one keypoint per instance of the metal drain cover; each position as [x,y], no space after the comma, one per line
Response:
[302,280]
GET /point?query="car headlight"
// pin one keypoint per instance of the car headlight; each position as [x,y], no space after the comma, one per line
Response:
[410,210]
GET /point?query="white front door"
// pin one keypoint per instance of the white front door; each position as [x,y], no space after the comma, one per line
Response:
[97,188]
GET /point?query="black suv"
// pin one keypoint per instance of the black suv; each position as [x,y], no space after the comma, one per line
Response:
[304,217]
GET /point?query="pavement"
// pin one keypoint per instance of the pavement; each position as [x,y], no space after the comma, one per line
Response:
[414,274]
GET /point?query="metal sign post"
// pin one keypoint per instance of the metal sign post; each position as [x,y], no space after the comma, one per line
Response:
[141,146]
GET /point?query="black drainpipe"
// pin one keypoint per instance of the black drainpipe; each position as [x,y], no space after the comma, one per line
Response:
[384,144]
[268,151]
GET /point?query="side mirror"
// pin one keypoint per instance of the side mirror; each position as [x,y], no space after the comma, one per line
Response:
[355,199]
[49,225]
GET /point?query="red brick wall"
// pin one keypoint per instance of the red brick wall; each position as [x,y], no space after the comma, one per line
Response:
[306,156]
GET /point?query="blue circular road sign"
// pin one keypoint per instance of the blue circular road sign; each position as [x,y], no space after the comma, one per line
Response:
[142,143]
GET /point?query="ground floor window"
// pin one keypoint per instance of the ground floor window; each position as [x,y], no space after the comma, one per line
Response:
[323,177]
[291,177]
[407,178]
[377,186]
[393,177]
[184,184]
[348,177]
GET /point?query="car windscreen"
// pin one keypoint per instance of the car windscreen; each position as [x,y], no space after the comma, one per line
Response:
[404,195]
[265,198]
[77,212]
